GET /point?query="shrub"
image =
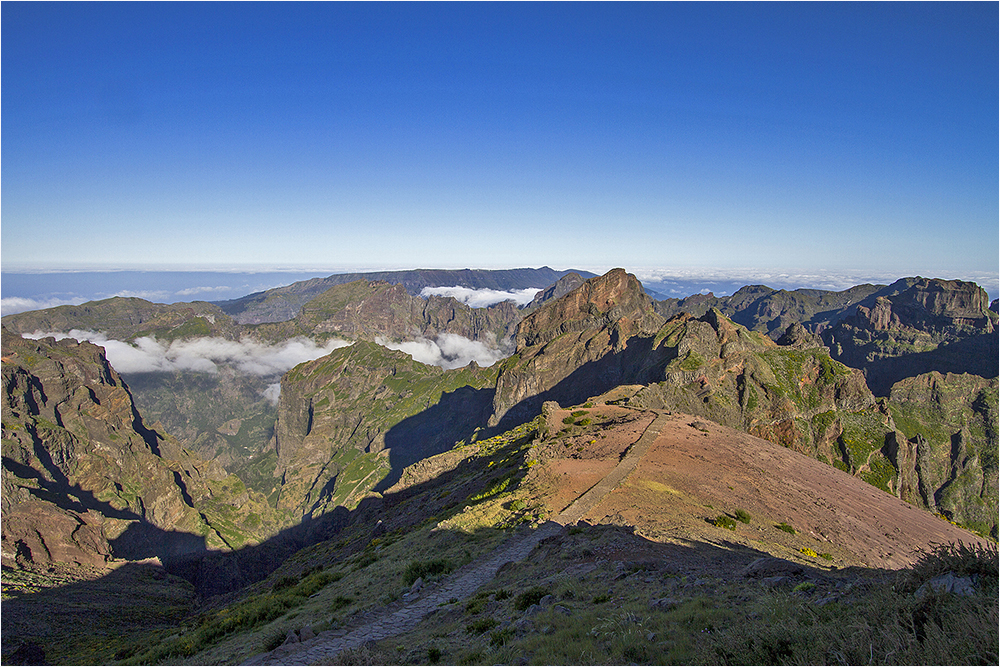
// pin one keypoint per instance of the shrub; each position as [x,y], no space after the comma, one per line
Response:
[723,521]
[742,516]
[428,568]
[481,625]
[809,552]
[433,654]
[785,527]
[531,596]
[826,556]
[569,420]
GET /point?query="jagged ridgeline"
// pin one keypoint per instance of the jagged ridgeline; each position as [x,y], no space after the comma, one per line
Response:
[84,478]
[236,468]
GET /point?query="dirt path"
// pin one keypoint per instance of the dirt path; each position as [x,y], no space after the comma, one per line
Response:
[399,618]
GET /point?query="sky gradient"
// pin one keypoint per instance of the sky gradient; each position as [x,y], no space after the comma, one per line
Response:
[793,137]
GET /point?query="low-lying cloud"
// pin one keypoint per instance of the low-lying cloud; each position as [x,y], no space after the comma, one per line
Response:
[480,298]
[16,304]
[448,351]
[202,355]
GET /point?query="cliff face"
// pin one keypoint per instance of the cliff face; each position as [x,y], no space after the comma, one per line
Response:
[85,480]
[586,342]
[771,311]
[931,325]
[351,421]
[946,438]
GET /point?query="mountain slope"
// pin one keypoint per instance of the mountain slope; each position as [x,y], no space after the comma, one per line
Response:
[85,481]
[283,303]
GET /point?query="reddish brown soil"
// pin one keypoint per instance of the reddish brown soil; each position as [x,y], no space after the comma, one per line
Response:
[698,470]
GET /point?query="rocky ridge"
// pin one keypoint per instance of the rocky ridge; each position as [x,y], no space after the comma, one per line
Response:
[86,481]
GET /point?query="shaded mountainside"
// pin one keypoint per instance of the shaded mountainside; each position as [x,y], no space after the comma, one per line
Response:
[770,311]
[351,421]
[284,303]
[931,325]
[84,480]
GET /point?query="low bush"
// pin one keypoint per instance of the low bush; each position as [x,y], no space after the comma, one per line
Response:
[723,521]
[742,516]
[531,596]
[426,568]
[785,527]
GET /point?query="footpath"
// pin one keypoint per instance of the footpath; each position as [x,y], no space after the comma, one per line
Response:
[397,619]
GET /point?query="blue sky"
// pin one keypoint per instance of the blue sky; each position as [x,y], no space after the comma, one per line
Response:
[823,138]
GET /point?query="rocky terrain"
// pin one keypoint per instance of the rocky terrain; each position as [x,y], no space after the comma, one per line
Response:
[678,419]
[85,480]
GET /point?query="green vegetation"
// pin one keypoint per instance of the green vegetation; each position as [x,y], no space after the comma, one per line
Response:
[786,528]
[723,521]
[426,569]
[742,516]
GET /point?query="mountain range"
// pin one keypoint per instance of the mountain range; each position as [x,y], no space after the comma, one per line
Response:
[226,484]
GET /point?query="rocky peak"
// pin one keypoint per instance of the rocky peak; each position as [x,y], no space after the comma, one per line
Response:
[561,287]
[616,298]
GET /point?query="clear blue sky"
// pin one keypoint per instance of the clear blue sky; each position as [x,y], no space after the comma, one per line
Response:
[828,137]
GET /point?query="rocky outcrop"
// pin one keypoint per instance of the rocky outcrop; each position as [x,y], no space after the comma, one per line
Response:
[926,325]
[946,446]
[592,339]
[770,311]
[354,419]
[85,480]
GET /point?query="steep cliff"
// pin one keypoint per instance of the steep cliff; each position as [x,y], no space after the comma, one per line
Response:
[85,480]
[931,325]
[592,339]
[946,446]
[351,421]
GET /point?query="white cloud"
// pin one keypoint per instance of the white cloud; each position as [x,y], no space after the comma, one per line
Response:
[200,290]
[448,351]
[480,298]
[203,355]
[273,393]
[15,304]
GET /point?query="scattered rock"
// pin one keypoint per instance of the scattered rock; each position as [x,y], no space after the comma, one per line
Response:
[306,633]
[533,610]
[562,610]
[547,600]
[947,583]
[291,638]
[664,603]
[775,582]
[417,585]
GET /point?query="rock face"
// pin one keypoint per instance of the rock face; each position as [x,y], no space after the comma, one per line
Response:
[946,446]
[355,418]
[927,325]
[590,340]
[85,480]
[769,311]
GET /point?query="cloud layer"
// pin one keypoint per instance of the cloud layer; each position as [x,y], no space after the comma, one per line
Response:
[203,355]
[448,351]
[480,298]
